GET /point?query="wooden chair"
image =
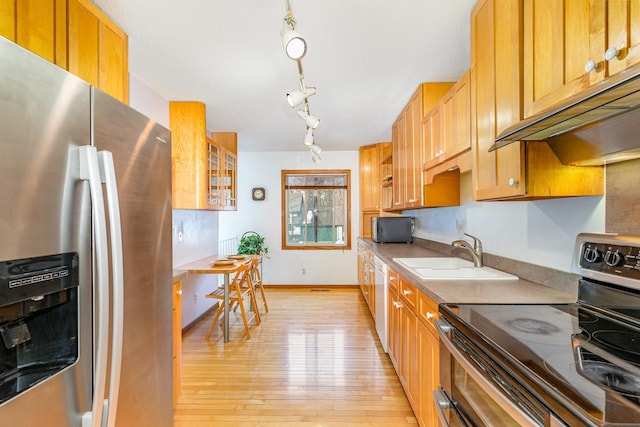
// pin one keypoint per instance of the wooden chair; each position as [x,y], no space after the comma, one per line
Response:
[239,288]
[256,280]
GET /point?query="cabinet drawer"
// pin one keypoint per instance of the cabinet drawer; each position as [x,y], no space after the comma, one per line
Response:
[392,279]
[409,293]
[427,311]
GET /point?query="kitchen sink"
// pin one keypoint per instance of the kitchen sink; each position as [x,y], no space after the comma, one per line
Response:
[434,263]
[451,268]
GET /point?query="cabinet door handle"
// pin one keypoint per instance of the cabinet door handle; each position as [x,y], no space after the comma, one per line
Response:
[429,315]
[406,292]
[397,304]
[412,200]
[591,65]
[179,292]
[611,53]
[513,182]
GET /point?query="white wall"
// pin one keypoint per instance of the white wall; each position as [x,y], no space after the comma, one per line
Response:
[540,232]
[148,101]
[199,239]
[263,169]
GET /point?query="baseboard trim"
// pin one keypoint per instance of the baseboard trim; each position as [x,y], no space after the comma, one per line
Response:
[309,286]
[207,313]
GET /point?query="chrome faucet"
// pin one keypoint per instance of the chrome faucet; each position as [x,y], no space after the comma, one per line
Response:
[475,251]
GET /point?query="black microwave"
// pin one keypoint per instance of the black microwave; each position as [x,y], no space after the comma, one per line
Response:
[392,229]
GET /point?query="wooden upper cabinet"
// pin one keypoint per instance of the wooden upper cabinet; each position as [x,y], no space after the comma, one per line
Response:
[567,44]
[457,118]
[520,170]
[222,187]
[399,163]
[37,25]
[189,155]
[446,129]
[73,34]
[495,42]
[370,180]
[203,168]
[408,150]
[372,183]
[97,49]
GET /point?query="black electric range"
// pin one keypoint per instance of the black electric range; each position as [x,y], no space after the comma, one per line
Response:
[580,361]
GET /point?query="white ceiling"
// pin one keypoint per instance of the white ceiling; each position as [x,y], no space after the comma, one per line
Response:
[366,57]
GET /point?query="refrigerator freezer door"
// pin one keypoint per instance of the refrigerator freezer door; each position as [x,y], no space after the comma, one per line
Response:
[141,152]
[44,118]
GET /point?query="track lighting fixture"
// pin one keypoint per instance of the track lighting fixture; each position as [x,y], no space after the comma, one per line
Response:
[296,47]
[311,121]
[308,138]
[297,97]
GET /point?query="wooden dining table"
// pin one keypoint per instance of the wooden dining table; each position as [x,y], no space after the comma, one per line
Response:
[207,265]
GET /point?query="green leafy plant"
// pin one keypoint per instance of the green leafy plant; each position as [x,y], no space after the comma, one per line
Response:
[252,244]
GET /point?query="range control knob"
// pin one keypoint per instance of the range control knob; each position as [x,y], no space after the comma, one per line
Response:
[592,255]
[613,259]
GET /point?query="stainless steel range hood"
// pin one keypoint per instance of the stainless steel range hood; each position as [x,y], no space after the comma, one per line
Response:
[597,126]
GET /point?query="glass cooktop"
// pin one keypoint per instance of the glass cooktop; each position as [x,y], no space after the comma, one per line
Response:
[575,357]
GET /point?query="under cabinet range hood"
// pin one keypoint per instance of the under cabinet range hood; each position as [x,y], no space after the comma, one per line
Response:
[597,126]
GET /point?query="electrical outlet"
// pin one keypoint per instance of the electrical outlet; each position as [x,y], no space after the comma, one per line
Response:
[195,298]
[460,227]
[304,271]
[180,232]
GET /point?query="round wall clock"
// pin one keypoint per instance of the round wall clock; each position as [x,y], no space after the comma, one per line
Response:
[258,193]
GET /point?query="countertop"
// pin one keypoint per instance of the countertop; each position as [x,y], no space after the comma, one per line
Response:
[178,275]
[447,291]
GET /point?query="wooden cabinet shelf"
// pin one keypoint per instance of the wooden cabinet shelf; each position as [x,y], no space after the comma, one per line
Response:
[372,187]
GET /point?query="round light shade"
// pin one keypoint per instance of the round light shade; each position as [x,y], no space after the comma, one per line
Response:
[294,45]
[297,97]
[311,121]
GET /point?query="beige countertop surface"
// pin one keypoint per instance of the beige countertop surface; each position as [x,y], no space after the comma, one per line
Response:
[466,291]
[178,275]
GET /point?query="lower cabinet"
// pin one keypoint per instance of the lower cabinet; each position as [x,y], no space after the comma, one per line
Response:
[366,277]
[429,375]
[414,346]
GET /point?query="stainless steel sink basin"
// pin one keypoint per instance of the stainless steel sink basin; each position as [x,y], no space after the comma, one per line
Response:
[451,268]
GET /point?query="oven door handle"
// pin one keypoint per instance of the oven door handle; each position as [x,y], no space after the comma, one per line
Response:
[443,403]
[444,328]
[578,342]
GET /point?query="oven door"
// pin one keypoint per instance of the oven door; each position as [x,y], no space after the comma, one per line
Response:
[475,391]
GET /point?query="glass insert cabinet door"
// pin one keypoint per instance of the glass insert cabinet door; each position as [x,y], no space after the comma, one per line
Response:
[316,209]
[214,169]
[222,177]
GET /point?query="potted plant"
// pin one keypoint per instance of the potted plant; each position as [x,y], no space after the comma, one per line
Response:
[251,243]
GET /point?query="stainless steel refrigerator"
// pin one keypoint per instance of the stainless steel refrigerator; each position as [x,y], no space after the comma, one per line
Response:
[85,253]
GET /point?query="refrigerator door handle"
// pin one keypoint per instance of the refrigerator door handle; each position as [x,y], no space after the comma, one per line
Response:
[90,171]
[108,177]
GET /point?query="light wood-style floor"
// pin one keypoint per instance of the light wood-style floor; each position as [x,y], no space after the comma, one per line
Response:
[314,361]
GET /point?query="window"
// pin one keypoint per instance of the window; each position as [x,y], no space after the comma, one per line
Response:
[316,209]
